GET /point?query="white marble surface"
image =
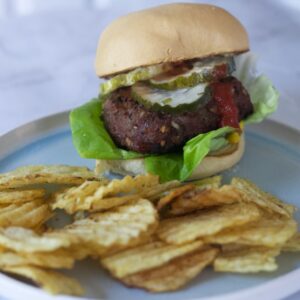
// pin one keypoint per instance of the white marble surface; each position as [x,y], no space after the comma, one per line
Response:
[46,59]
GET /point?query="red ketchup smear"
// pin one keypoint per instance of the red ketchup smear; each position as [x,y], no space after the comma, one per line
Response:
[223,95]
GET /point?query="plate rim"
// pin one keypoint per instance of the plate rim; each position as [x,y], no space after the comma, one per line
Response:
[25,134]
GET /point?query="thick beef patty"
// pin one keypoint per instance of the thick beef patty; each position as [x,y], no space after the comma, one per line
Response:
[135,127]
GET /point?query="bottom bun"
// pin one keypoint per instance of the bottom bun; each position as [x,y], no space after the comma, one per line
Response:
[209,166]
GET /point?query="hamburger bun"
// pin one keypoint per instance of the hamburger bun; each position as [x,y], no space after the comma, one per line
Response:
[168,33]
[209,166]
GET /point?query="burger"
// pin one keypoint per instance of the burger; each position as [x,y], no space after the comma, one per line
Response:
[179,87]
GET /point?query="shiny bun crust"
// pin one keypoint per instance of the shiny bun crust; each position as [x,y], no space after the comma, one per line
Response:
[210,165]
[168,33]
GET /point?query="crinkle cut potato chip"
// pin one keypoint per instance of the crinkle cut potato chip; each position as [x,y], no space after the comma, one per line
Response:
[29,214]
[213,182]
[40,229]
[199,199]
[120,227]
[156,192]
[146,257]
[91,195]
[179,230]
[233,247]
[270,231]
[128,184]
[249,260]
[57,260]
[73,203]
[58,174]
[237,228]
[25,240]
[19,196]
[108,203]
[53,282]
[174,274]
[293,244]
[173,194]
[251,193]
[76,198]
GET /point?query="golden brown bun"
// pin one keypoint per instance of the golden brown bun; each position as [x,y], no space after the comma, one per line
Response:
[210,165]
[168,33]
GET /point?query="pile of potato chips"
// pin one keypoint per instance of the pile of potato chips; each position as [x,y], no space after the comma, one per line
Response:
[147,235]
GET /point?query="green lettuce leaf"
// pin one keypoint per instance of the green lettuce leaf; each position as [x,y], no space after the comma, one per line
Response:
[90,136]
[262,92]
[264,98]
[167,166]
[181,165]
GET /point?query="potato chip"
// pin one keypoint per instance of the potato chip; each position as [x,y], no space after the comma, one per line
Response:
[91,195]
[36,218]
[291,209]
[199,199]
[156,192]
[173,194]
[128,184]
[251,193]
[120,227]
[144,239]
[184,229]
[233,247]
[146,257]
[108,203]
[269,231]
[84,203]
[208,183]
[76,198]
[41,228]
[57,259]
[25,240]
[250,260]
[293,244]
[28,214]
[51,281]
[81,251]
[174,274]
[17,196]
[238,226]
[58,174]
[79,215]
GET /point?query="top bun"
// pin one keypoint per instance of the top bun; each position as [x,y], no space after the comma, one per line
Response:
[168,33]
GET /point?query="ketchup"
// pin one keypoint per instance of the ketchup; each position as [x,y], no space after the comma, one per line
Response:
[222,93]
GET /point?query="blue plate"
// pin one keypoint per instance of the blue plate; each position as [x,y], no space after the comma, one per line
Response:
[272,160]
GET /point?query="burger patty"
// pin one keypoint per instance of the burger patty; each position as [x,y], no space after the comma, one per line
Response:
[134,127]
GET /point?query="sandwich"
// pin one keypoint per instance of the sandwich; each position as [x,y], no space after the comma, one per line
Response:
[179,85]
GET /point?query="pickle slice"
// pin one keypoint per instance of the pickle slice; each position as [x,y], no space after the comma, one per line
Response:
[177,100]
[202,71]
[159,75]
[130,78]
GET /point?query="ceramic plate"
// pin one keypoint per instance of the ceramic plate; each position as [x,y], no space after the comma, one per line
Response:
[272,160]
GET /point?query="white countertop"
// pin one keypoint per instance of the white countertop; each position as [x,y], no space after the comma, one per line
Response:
[46,59]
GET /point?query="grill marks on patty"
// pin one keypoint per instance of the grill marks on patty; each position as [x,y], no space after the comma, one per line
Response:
[134,127]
